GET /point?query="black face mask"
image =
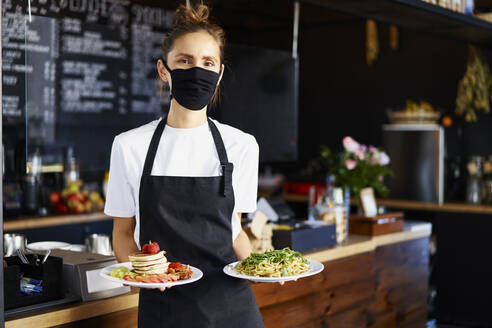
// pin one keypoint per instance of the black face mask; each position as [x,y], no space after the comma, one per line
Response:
[194,87]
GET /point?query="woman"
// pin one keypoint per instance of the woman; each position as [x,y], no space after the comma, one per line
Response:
[182,181]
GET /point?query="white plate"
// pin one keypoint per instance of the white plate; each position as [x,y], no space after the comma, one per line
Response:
[105,273]
[316,267]
[78,248]
[45,245]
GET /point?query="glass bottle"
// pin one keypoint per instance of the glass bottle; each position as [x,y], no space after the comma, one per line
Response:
[455,179]
[71,167]
[32,182]
[474,184]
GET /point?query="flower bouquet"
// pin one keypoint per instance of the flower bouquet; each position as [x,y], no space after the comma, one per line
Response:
[358,167]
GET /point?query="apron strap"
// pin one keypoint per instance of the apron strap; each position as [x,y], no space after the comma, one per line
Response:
[226,166]
[154,143]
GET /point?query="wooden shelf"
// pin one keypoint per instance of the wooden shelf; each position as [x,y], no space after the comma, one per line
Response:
[51,221]
[445,207]
[413,205]
[417,15]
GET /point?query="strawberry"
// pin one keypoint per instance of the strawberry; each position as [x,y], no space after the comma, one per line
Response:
[145,248]
[151,248]
[154,248]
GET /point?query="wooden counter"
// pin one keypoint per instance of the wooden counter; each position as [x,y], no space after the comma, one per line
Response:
[14,224]
[414,205]
[358,244]
[381,280]
[75,312]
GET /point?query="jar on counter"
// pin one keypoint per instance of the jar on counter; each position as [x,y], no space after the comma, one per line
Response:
[487,181]
[334,211]
[445,3]
[474,184]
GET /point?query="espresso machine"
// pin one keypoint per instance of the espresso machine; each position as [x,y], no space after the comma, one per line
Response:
[417,159]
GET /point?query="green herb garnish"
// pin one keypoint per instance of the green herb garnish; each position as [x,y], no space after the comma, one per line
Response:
[281,256]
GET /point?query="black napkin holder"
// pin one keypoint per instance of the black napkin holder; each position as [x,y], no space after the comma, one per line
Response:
[304,238]
[50,273]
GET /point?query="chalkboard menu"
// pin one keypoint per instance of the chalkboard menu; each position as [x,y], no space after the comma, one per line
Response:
[81,63]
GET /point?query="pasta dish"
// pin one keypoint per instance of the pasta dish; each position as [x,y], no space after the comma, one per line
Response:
[276,263]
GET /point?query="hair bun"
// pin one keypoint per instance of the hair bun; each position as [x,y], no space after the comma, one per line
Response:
[191,15]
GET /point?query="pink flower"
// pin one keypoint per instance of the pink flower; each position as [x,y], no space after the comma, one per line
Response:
[375,157]
[372,149]
[384,159]
[360,155]
[350,164]
[363,148]
[350,144]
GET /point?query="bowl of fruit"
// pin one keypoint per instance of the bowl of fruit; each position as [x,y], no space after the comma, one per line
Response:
[421,112]
[76,199]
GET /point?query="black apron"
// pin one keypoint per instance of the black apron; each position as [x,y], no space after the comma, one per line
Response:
[190,218]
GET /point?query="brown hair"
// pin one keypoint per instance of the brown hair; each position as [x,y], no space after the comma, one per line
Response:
[194,19]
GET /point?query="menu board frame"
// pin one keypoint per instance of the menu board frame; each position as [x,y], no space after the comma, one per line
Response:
[2,305]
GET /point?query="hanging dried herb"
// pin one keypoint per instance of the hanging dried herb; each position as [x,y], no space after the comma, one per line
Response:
[372,42]
[474,89]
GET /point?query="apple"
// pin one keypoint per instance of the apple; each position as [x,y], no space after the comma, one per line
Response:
[73,187]
[72,198]
[65,193]
[77,207]
[61,208]
[80,196]
[100,204]
[89,207]
[55,198]
[94,196]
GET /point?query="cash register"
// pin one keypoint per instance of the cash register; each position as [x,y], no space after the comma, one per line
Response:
[81,277]
[80,281]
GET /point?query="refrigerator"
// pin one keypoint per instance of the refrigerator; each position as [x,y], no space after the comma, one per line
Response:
[417,159]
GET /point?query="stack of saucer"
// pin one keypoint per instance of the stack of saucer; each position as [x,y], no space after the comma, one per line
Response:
[143,263]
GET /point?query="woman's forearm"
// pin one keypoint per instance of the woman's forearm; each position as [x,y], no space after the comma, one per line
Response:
[242,246]
[123,242]
[124,246]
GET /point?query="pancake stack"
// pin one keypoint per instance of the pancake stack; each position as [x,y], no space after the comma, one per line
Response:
[146,264]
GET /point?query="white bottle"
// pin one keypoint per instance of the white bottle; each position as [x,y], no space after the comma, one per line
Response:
[468,6]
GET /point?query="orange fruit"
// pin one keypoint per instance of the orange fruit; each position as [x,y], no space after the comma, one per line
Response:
[447,121]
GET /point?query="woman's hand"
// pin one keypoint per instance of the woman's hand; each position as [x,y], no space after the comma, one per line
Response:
[242,246]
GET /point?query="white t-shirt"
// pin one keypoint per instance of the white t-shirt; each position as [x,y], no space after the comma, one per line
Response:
[181,152]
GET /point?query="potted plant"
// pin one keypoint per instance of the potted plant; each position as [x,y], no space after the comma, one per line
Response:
[357,167]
